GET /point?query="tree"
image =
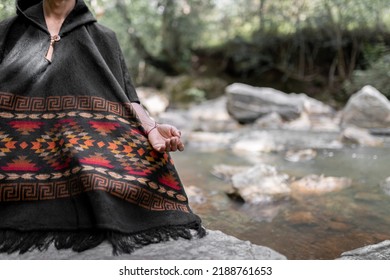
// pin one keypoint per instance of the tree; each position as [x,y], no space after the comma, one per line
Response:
[7,8]
[179,25]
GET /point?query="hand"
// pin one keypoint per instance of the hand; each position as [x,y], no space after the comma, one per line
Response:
[165,138]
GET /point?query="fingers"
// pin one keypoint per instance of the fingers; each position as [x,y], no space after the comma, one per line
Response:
[176,143]
[170,145]
[175,132]
[166,139]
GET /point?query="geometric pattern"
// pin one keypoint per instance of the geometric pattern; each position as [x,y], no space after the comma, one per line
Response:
[56,147]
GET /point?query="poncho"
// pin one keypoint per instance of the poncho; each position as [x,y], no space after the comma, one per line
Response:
[76,167]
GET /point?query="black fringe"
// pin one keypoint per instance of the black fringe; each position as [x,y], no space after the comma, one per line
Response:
[12,241]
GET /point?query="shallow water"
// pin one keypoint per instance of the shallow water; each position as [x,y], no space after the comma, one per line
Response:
[315,227]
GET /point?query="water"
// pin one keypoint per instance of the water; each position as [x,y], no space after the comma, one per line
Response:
[315,227]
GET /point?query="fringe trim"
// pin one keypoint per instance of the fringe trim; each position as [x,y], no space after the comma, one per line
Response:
[12,241]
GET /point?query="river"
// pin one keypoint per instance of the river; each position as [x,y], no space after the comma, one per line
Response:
[313,227]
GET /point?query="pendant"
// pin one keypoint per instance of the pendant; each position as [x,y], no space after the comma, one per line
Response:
[53,39]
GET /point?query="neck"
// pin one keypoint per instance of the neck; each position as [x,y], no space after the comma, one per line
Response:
[58,9]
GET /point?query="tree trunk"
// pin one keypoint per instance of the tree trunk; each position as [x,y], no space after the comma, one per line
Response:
[160,63]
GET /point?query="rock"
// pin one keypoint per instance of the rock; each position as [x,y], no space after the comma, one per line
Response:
[195,195]
[314,184]
[211,116]
[368,108]
[269,121]
[214,246]
[380,251]
[208,140]
[301,123]
[385,185]
[226,172]
[314,107]
[246,103]
[300,155]
[153,100]
[360,136]
[301,140]
[325,123]
[255,142]
[260,184]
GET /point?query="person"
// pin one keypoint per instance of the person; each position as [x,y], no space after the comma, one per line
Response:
[81,161]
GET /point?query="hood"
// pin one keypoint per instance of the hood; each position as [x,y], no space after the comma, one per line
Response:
[32,10]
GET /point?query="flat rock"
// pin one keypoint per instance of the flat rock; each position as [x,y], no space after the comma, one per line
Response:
[380,251]
[360,136]
[214,246]
[247,103]
[261,184]
[315,185]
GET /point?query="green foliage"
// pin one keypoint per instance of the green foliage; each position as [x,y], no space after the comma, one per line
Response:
[319,42]
[377,75]
[7,8]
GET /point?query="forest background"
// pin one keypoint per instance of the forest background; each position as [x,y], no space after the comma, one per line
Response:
[327,49]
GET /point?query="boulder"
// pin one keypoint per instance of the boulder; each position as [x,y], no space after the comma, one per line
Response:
[315,184]
[247,103]
[214,246]
[303,122]
[260,184]
[212,116]
[269,121]
[380,251]
[360,136]
[368,108]
[313,107]
[226,172]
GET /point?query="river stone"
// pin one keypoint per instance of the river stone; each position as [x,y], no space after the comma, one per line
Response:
[247,103]
[300,155]
[153,100]
[214,246]
[313,107]
[360,136]
[368,108]
[260,184]
[315,184]
[269,121]
[385,185]
[226,172]
[255,142]
[380,251]
[301,123]
[195,195]
[212,116]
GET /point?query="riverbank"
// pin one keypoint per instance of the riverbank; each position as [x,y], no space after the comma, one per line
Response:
[314,225]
